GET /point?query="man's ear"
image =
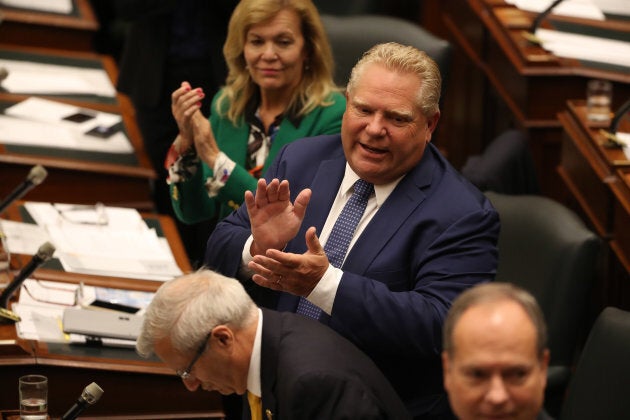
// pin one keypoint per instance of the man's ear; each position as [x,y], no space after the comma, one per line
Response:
[222,336]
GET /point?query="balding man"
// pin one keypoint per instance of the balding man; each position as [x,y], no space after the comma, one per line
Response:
[495,354]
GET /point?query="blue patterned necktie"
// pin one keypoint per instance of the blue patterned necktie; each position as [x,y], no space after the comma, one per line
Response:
[342,232]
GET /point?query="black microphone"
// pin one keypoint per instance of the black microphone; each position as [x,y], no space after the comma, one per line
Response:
[35,177]
[91,394]
[531,33]
[613,140]
[44,253]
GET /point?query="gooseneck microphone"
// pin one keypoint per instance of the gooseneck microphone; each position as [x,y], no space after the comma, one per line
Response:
[531,32]
[611,134]
[623,110]
[35,177]
[91,394]
[44,253]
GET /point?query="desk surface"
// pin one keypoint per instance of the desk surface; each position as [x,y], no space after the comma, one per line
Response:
[79,177]
[598,177]
[133,386]
[513,82]
[73,31]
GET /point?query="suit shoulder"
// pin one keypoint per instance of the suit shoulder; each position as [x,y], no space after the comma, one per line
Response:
[329,144]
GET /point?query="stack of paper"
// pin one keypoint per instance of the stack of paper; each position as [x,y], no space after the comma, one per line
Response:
[54,6]
[27,77]
[42,122]
[576,8]
[42,306]
[107,241]
[584,47]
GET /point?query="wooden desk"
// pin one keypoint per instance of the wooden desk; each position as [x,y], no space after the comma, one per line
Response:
[78,176]
[133,386]
[74,31]
[505,81]
[598,180]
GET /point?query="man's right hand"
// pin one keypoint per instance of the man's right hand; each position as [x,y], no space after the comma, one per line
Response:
[274,219]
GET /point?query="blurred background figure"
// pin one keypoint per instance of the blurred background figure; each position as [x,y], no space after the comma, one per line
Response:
[165,42]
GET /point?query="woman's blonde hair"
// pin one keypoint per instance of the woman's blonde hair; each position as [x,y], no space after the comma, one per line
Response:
[317,82]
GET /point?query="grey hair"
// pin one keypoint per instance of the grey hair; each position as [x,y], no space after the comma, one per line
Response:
[404,59]
[187,308]
[494,293]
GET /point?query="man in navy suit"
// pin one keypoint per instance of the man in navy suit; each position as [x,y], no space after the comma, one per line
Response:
[426,234]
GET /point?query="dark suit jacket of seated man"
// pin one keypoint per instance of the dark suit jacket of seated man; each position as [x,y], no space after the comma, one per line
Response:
[433,236]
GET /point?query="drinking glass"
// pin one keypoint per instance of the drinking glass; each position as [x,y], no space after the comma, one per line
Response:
[33,397]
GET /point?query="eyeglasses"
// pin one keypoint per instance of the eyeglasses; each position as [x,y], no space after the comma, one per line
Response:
[185,374]
[84,214]
[42,292]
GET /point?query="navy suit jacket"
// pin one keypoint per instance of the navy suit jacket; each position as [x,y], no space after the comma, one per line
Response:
[310,372]
[434,236]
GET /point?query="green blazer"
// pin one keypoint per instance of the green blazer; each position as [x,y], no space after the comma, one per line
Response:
[190,198]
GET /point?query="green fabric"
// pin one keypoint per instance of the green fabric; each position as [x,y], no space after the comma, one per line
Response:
[190,199]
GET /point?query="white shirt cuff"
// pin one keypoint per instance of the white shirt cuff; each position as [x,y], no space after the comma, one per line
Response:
[323,295]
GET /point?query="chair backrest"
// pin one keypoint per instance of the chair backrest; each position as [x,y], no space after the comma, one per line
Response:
[545,248]
[348,7]
[351,36]
[505,166]
[600,386]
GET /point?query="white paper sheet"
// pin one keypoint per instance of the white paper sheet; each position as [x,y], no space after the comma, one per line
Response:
[625,138]
[43,122]
[123,247]
[615,7]
[584,47]
[576,8]
[23,238]
[54,6]
[32,78]
[34,133]
[40,322]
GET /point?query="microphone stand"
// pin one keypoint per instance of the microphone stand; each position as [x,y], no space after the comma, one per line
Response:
[611,134]
[530,34]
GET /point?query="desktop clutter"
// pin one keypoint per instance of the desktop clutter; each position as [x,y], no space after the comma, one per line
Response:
[75,314]
[95,240]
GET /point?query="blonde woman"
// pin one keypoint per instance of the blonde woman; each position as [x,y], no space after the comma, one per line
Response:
[279,88]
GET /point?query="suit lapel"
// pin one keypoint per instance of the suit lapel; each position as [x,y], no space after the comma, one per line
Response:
[324,186]
[269,351]
[390,218]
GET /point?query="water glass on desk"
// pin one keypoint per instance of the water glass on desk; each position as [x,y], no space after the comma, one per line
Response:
[598,100]
[33,397]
